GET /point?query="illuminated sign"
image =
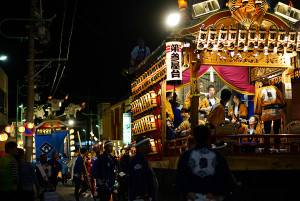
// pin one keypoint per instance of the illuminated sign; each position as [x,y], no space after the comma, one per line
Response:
[173,61]
[126,128]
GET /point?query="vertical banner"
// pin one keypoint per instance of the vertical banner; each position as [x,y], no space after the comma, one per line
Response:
[272,40]
[298,42]
[222,39]
[173,61]
[291,44]
[281,41]
[242,40]
[126,128]
[211,39]
[251,40]
[201,39]
[232,34]
[262,40]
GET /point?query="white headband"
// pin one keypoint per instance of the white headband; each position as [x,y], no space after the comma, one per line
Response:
[107,143]
[141,142]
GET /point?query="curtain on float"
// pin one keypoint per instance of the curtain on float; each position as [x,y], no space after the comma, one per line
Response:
[49,143]
[237,78]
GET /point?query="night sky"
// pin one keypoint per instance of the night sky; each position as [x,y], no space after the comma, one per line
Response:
[104,34]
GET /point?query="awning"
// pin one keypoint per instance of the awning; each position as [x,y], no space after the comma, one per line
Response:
[237,78]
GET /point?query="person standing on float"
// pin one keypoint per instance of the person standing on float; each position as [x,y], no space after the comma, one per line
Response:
[269,107]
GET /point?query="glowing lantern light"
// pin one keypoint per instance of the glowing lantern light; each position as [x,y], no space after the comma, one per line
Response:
[3,137]
[8,129]
[21,129]
[20,143]
[30,125]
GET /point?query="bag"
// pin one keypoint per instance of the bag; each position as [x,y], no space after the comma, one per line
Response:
[50,196]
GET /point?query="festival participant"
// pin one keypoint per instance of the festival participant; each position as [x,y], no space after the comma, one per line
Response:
[106,167]
[65,170]
[80,174]
[210,100]
[202,172]
[251,129]
[143,184]
[237,111]
[44,174]
[27,177]
[187,102]
[9,172]
[217,113]
[184,129]
[56,168]
[269,106]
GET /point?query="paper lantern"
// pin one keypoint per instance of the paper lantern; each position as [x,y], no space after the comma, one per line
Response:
[30,125]
[21,129]
[8,129]
[3,137]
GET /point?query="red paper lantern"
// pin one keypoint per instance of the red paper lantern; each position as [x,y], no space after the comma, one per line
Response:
[8,129]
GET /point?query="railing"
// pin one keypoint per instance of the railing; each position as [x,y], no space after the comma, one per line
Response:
[289,144]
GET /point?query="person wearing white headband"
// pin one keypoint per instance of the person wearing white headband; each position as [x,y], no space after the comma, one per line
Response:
[142,182]
[105,172]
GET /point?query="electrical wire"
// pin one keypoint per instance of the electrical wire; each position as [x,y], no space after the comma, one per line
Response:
[68,50]
[60,44]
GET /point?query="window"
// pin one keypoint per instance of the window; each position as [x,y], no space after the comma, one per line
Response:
[3,104]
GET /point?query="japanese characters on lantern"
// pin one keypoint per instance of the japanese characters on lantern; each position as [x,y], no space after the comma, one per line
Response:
[173,61]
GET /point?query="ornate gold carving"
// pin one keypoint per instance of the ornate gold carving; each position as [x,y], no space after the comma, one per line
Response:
[243,59]
[248,12]
[257,72]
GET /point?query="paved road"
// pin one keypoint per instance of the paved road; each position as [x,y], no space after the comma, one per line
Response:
[66,193]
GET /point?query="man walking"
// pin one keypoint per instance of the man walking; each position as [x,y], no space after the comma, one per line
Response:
[143,184]
[105,173]
[79,174]
[203,173]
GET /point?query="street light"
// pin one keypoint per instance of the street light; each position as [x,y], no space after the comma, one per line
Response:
[71,122]
[3,57]
[173,19]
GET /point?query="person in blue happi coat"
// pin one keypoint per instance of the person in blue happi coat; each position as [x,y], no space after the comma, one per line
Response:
[106,172]
[80,174]
[65,170]
[202,172]
[143,184]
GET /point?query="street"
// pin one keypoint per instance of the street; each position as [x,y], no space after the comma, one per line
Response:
[66,193]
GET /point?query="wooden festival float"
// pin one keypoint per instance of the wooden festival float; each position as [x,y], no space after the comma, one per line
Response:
[245,39]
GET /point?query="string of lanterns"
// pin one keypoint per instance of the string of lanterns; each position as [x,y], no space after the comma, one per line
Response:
[272,40]
[8,129]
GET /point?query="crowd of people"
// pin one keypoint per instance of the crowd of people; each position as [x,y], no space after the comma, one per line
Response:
[96,174]
[101,173]
[268,111]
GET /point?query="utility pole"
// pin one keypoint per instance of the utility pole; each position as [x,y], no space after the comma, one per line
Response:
[30,80]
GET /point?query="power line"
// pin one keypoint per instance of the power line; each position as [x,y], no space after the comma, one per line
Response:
[60,44]
[68,50]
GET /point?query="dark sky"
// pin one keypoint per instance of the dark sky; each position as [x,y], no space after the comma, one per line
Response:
[104,34]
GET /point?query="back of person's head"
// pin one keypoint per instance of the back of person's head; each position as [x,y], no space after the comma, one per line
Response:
[83,150]
[201,134]
[225,95]
[65,156]
[265,81]
[10,145]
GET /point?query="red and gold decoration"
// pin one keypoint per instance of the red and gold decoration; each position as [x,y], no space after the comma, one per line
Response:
[145,124]
[248,12]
